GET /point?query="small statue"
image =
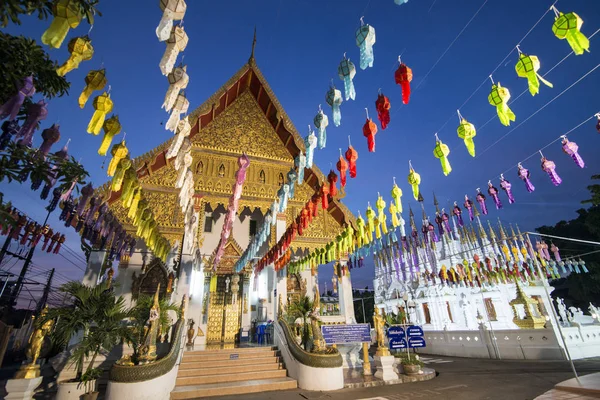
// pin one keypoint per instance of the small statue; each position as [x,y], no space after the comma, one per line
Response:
[594,312]
[34,347]
[235,287]
[379,322]
[191,333]
[562,311]
[148,349]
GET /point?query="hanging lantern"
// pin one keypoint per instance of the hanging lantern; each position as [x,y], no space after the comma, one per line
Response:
[176,43]
[382,104]
[492,191]
[118,151]
[397,196]
[36,112]
[414,179]
[300,163]
[346,72]
[9,129]
[324,191]
[51,136]
[183,131]
[498,98]
[292,177]
[173,10]
[81,50]
[365,39]
[550,168]
[342,167]
[458,214]
[467,132]
[334,282]
[598,123]
[528,67]
[181,106]
[481,200]
[332,179]
[400,2]
[442,151]
[102,106]
[67,14]
[568,26]
[310,143]
[571,149]
[178,80]
[351,156]
[321,122]
[11,108]
[94,80]
[334,99]
[469,206]
[403,78]
[507,187]
[369,131]
[524,175]
[111,127]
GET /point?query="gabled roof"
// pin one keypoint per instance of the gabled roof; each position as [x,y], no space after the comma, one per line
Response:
[248,78]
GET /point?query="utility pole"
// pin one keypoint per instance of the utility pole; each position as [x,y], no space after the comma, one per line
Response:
[44,298]
[6,244]
[19,285]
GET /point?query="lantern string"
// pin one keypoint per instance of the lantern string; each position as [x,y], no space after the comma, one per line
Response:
[498,66]
[451,44]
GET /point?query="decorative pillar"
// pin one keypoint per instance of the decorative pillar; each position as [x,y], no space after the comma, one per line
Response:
[246,319]
[94,267]
[345,293]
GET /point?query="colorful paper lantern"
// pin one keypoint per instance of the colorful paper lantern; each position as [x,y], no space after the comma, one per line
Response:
[178,80]
[111,127]
[481,200]
[334,99]
[498,98]
[397,196]
[365,39]
[118,152]
[467,132]
[568,26]
[351,156]
[176,43]
[102,106]
[346,72]
[181,106]
[572,149]
[382,104]
[50,136]
[321,122]
[369,131]
[172,10]
[94,80]
[342,167]
[507,187]
[403,78]
[442,151]
[492,191]
[550,168]
[528,67]
[67,15]
[36,112]
[11,108]
[414,179]
[310,142]
[524,175]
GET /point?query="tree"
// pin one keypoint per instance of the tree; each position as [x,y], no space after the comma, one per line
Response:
[301,308]
[12,9]
[98,314]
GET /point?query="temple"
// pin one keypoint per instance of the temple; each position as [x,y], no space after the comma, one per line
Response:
[242,117]
[467,285]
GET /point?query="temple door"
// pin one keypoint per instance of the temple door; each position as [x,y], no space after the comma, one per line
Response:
[225,311]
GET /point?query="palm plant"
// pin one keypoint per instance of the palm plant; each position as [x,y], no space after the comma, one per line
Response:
[301,308]
[96,312]
[141,312]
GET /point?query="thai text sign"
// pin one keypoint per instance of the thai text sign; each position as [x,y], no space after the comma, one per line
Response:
[396,331]
[339,334]
[396,343]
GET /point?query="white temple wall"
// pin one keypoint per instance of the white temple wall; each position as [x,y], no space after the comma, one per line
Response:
[94,267]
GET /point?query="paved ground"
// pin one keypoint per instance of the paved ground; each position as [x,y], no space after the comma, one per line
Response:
[458,378]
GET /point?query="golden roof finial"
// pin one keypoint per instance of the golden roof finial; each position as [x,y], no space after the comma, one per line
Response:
[502,234]
[512,232]
[253,46]
[492,233]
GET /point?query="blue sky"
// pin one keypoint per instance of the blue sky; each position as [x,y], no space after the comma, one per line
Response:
[300,45]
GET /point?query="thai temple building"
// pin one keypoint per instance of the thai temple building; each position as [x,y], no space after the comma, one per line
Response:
[459,279]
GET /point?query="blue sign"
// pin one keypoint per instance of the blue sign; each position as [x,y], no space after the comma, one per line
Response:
[340,334]
[413,331]
[396,331]
[416,342]
[396,343]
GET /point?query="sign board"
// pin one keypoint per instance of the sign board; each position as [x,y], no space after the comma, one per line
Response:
[396,331]
[340,334]
[416,341]
[396,343]
[413,331]
[234,356]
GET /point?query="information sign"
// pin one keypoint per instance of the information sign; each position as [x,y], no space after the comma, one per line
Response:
[396,331]
[396,343]
[340,334]
[416,341]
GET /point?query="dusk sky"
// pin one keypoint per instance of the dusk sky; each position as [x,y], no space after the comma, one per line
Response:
[299,46]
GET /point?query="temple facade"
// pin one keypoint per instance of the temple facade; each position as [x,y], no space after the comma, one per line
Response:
[242,117]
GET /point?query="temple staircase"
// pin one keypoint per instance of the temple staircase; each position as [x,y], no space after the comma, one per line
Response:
[229,372]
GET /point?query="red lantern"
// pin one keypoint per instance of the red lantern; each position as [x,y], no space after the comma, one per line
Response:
[342,166]
[383,110]
[352,156]
[332,178]
[324,192]
[369,131]
[315,204]
[403,77]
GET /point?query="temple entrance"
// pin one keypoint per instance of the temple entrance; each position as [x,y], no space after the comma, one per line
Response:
[225,310]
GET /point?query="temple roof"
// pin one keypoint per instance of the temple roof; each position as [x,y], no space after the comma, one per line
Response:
[248,81]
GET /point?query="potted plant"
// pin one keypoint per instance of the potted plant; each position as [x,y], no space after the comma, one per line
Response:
[88,381]
[100,317]
[412,365]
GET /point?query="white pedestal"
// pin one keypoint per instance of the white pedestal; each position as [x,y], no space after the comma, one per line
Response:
[385,368]
[350,355]
[22,389]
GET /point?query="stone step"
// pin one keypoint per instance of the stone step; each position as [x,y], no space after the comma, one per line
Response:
[231,388]
[186,364]
[228,356]
[234,350]
[230,377]
[233,369]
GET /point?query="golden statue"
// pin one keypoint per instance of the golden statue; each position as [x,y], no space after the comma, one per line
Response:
[379,322]
[34,347]
[190,334]
[109,277]
[319,345]
[148,348]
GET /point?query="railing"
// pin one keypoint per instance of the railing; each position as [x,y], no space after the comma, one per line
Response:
[304,357]
[140,373]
